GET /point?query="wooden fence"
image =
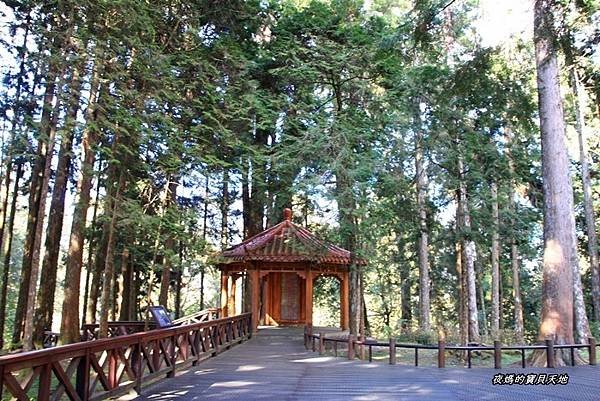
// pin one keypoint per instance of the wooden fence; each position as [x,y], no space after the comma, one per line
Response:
[354,347]
[97,370]
[89,331]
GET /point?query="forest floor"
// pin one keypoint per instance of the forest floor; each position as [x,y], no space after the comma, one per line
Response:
[274,365]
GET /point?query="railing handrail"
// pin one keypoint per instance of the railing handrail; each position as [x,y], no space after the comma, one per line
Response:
[119,323]
[112,342]
[109,367]
[202,312]
[442,347]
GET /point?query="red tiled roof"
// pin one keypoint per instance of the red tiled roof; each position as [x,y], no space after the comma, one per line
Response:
[287,242]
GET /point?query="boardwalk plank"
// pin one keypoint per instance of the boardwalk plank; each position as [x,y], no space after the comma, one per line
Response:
[275,366]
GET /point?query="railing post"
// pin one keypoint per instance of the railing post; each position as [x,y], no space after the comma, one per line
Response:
[113,367]
[173,356]
[497,354]
[136,365]
[216,338]
[362,347]
[321,343]
[1,382]
[441,354]
[592,350]
[251,327]
[550,353]
[197,345]
[82,378]
[392,351]
[45,382]
[351,347]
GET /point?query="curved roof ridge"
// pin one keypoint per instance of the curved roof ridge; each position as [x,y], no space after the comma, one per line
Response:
[288,242]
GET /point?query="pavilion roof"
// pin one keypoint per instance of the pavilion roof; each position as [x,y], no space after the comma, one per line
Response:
[287,242]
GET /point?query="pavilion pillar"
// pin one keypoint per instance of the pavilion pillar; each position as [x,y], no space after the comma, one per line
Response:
[255,294]
[344,296]
[224,293]
[232,295]
[309,297]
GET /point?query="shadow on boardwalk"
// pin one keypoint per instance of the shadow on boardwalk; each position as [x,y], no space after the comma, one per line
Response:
[275,366]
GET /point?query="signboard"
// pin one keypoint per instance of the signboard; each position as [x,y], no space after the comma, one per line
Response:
[161,317]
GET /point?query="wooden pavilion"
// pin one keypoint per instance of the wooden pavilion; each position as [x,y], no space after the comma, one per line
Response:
[282,263]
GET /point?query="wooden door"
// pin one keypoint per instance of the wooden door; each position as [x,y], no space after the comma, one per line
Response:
[290,297]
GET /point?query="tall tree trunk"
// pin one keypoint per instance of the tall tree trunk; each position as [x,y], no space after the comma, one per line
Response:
[469,255]
[178,285]
[225,209]
[423,239]
[258,196]
[165,280]
[582,326]
[127,287]
[514,249]
[557,282]
[481,296]
[204,232]
[405,309]
[495,264]
[246,206]
[109,268]
[45,310]
[346,210]
[89,264]
[7,249]
[69,326]
[50,131]
[590,219]
[97,281]
[36,189]
[463,315]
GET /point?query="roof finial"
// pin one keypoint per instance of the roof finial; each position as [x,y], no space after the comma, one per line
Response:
[287,214]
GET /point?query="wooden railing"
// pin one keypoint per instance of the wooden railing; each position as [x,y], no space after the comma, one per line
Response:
[354,347]
[200,316]
[110,367]
[89,331]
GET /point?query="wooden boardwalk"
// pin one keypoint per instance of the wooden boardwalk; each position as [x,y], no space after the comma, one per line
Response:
[274,366]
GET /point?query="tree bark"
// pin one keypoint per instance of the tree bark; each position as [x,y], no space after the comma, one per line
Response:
[109,268]
[469,255]
[48,128]
[495,264]
[128,287]
[557,281]
[346,210]
[590,218]
[165,280]
[514,249]
[7,249]
[423,239]
[225,210]
[69,326]
[481,296]
[89,264]
[463,316]
[45,310]
[36,187]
